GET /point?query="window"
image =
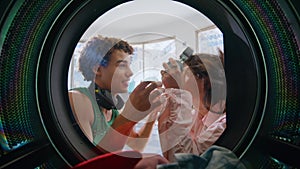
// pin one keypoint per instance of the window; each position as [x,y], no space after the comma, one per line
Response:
[148,58]
[209,39]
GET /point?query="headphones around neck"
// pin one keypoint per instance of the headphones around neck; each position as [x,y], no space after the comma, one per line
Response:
[104,98]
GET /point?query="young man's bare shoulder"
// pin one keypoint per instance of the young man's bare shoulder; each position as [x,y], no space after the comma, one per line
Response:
[78,96]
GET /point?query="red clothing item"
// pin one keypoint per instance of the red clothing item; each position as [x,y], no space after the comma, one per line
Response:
[115,160]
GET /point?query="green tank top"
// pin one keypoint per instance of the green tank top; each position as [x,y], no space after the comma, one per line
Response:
[100,125]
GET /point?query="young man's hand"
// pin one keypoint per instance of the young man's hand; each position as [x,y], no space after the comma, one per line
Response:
[144,98]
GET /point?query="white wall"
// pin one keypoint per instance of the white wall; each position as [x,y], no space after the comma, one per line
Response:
[163,17]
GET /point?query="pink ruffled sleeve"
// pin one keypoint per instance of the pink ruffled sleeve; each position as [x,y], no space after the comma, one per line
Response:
[175,122]
[181,131]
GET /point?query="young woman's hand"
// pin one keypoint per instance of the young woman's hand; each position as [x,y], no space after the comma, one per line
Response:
[173,69]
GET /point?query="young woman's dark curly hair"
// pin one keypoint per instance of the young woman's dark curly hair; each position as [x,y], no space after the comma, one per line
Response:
[210,68]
